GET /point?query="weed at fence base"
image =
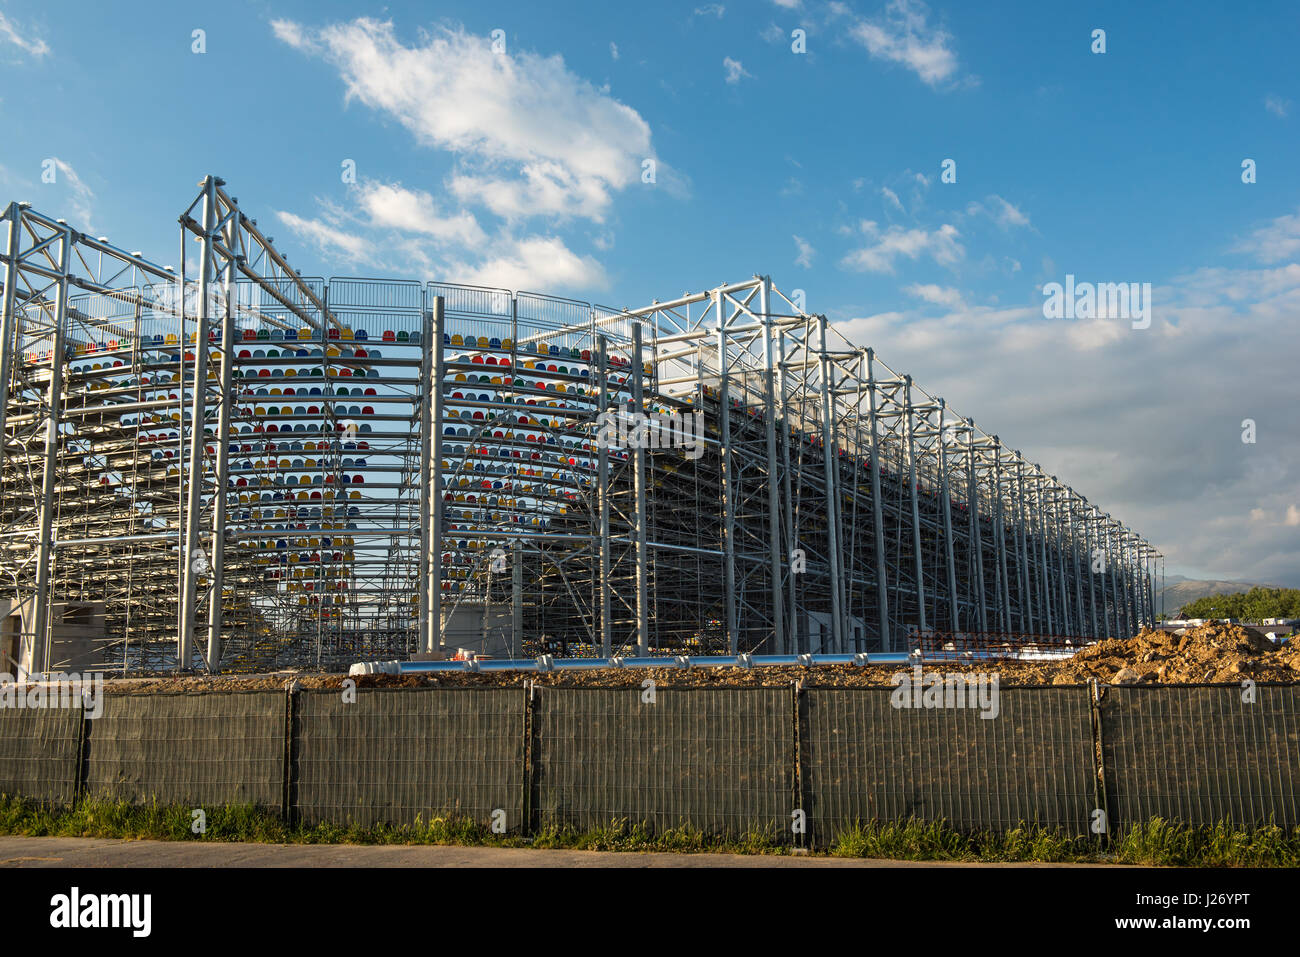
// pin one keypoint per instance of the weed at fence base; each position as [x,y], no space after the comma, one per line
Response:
[1156,842]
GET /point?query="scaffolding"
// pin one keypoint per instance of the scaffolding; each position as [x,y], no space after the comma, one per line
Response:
[234,467]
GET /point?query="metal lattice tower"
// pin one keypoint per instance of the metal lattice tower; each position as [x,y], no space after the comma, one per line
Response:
[236,467]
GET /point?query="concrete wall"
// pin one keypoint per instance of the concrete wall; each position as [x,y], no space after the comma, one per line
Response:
[77,640]
[463,628]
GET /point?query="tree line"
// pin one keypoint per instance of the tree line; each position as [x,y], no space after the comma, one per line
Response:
[1250,605]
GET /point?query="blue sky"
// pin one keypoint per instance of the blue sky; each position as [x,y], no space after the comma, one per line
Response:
[823,169]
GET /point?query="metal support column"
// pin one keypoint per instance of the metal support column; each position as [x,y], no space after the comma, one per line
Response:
[191,550]
[41,610]
[1026,593]
[9,340]
[516,598]
[877,511]
[226,353]
[831,460]
[1000,537]
[639,483]
[955,623]
[910,414]
[1045,575]
[773,489]
[1075,565]
[976,532]
[1112,572]
[432,535]
[602,498]
[794,612]
[728,481]
[425,475]
[1089,522]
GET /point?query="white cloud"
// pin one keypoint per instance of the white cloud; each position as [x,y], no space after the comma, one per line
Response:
[545,189]
[788,4]
[735,70]
[81,198]
[1279,240]
[940,244]
[806,252]
[903,36]
[1091,400]
[535,263]
[19,38]
[999,210]
[529,139]
[443,247]
[938,295]
[286,31]
[1276,105]
[414,211]
[332,243]
[711,10]
[567,145]
[891,198]
[1005,214]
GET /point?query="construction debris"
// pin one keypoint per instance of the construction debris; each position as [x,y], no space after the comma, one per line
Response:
[1212,654]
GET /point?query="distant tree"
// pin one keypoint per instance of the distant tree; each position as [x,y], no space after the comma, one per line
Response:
[1247,605]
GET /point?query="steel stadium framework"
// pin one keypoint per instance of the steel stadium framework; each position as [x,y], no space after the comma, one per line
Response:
[238,471]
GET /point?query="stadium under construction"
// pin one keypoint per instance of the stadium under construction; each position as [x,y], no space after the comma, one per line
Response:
[225,465]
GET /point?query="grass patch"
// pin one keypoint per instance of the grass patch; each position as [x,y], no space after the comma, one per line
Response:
[1159,842]
[1155,843]
[623,835]
[94,817]
[915,840]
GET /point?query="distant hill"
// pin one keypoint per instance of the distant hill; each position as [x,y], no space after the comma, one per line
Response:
[1179,591]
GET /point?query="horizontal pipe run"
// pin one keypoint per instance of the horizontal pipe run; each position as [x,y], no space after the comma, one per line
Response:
[587,664]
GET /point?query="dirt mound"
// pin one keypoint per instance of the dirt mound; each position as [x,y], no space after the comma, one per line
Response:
[1213,653]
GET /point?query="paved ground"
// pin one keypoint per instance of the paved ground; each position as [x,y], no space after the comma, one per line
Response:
[108,852]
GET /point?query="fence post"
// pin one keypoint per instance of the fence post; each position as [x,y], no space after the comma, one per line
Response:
[289,797]
[81,778]
[1099,780]
[796,693]
[530,688]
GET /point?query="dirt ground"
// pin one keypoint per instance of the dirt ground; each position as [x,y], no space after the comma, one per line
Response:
[1212,653]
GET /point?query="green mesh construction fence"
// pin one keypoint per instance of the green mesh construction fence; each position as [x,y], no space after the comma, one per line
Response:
[1201,755]
[726,761]
[39,751]
[394,755]
[193,749]
[719,760]
[864,759]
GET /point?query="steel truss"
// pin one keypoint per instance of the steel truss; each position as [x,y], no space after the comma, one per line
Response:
[248,468]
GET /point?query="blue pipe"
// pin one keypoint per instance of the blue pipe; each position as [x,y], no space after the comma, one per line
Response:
[712,661]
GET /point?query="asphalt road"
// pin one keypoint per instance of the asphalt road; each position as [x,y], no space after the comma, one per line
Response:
[110,852]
